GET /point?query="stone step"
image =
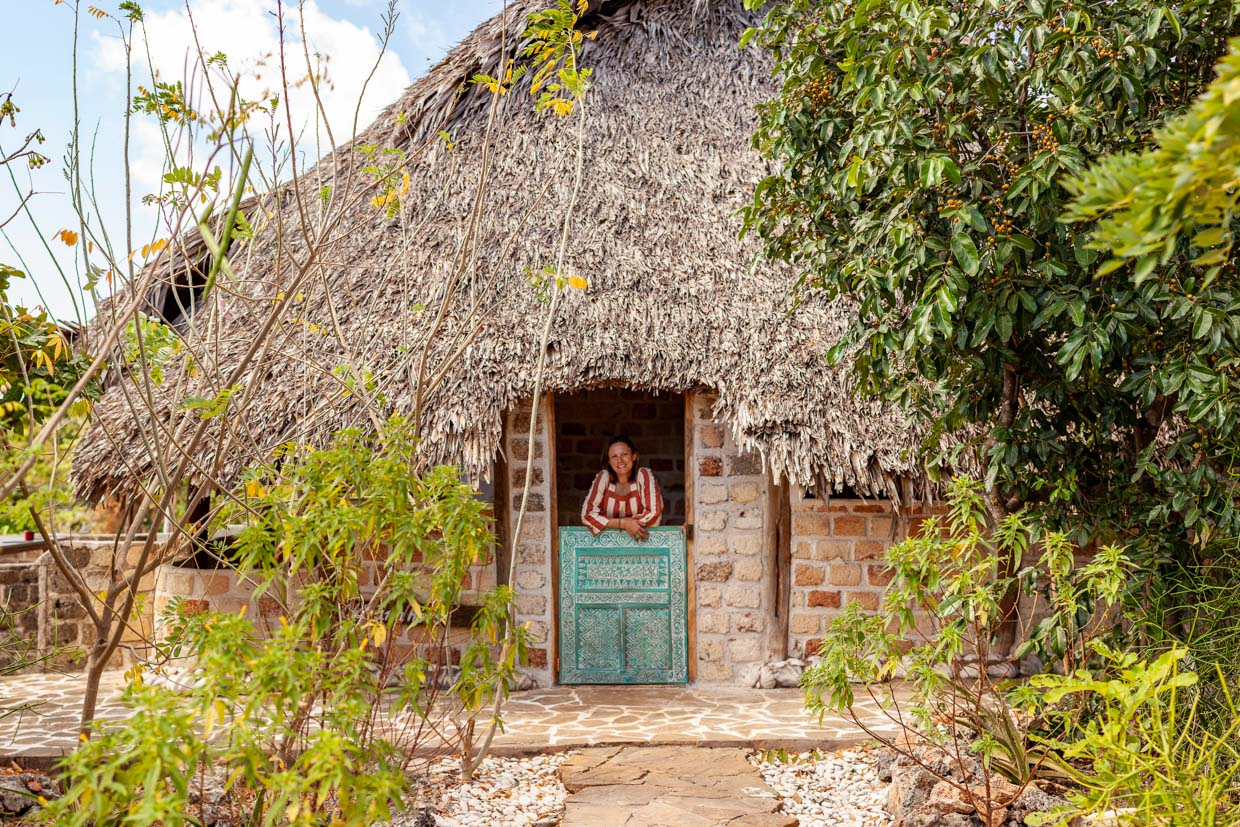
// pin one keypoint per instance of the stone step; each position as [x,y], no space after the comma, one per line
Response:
[672,786]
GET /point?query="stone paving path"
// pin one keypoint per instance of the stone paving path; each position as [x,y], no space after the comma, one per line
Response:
[666,786]
[539,720]
[44,725]
[572,716]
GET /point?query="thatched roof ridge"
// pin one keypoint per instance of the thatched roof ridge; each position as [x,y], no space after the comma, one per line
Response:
[676,301]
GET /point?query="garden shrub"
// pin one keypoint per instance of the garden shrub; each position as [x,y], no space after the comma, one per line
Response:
[352,547]
[1143,756]
[953,575]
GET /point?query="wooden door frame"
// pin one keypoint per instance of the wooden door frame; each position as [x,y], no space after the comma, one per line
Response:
[779,582]
[690,579]
[553,509]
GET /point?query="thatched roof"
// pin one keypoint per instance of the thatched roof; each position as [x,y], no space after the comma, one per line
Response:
[676,301]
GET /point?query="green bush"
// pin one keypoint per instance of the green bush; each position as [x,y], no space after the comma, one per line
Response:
[1145,759]
[955,576]
[356,545]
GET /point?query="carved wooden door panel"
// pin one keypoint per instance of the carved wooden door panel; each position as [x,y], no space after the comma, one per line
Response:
[623,607]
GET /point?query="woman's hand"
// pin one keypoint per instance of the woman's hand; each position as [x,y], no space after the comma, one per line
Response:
[635,530]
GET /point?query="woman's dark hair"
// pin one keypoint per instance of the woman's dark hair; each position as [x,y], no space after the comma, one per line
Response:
[618,438]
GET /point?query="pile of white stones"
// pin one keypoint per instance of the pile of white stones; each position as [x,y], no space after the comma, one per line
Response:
[839,789]
[523,792]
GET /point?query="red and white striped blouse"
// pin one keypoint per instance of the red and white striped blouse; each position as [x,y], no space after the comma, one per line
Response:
[644,502]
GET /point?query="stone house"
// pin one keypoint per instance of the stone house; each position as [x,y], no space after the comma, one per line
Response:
[785,484]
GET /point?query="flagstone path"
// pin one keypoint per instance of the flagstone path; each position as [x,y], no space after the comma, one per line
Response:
[674,786]
[573,716]
[541,720]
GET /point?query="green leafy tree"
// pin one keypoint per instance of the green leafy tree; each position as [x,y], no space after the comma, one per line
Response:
[38,362]
[924,150]
[1173,201]
[936,625]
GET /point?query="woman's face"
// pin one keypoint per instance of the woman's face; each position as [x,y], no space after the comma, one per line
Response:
[621,459]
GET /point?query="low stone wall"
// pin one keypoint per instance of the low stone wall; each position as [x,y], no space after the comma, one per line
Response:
[224,590]
[21,583]
[50,613]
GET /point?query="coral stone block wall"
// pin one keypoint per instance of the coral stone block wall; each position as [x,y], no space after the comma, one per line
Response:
[730,556]
[20,586]
[532,580]
[585,421]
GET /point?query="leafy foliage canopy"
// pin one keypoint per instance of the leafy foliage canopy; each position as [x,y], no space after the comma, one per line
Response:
[925,149]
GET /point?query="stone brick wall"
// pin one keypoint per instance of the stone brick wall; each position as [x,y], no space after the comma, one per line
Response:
[533,564]
[838,551]
[20,585]
[50,613]
[224,590]
[837,559]
[730,557]
[51,617]
[584,422]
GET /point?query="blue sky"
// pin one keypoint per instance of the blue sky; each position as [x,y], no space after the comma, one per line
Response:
[36,62]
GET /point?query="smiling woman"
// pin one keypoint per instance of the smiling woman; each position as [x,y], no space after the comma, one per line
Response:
[623,495]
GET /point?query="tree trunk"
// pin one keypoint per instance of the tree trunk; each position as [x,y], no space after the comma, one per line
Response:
[95,663]
[1001,506]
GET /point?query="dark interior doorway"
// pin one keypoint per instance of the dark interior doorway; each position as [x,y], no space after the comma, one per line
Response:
[586,420]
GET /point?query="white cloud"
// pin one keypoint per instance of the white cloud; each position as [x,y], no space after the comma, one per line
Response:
[248,32]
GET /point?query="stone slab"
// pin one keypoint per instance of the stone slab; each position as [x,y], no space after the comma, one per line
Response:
[668,787]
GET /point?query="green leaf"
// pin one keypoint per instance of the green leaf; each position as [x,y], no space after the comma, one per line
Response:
[1003,326]
[965,252]
[1023,242]
[1201,327]
[1145,266]
[951,170]
[1076,309]
[977,222]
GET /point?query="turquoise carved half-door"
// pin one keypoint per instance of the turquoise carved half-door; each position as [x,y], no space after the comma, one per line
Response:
[623,607]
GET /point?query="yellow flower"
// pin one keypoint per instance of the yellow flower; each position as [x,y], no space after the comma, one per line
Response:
[67,237]
[578,282]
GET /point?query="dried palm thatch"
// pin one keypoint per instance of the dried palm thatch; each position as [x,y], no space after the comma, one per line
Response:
[675,300]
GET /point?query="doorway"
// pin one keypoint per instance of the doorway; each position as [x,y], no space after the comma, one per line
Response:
[621,607]
[586,420]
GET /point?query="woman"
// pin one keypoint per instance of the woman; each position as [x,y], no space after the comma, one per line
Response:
[623,495]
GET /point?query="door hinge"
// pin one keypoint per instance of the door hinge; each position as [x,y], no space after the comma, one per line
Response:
[557,665]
